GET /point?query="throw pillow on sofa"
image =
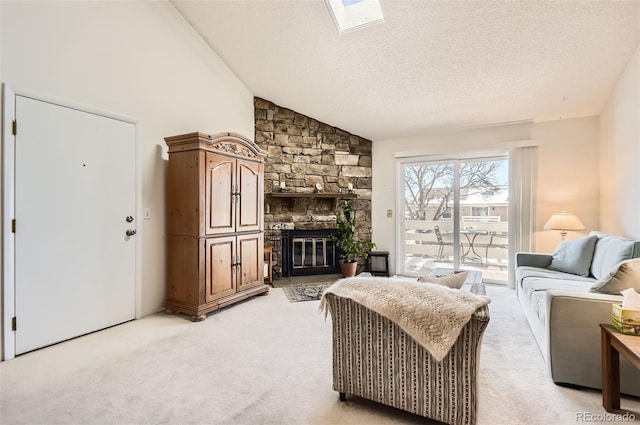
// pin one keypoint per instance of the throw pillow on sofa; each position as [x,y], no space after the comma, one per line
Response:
[574,256]
[609,251]
[626,275]
[454,280]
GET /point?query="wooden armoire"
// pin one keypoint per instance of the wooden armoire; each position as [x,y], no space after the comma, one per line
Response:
[215,222]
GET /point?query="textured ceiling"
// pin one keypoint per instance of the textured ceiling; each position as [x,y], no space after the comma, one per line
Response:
[432,66]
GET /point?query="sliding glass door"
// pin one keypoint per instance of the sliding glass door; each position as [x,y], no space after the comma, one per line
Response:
[454,214]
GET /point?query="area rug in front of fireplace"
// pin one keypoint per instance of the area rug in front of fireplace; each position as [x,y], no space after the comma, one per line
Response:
[306,293]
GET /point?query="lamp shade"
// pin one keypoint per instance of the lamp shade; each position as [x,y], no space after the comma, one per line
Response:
[564,221]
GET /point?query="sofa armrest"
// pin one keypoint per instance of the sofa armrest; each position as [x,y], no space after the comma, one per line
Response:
[533,259]
[573,337]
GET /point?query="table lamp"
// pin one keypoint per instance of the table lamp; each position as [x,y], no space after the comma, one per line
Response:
[564,221]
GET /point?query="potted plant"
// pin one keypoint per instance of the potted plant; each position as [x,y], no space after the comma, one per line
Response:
[352,248]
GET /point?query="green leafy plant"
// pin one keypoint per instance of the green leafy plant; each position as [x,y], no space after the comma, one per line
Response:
[346,240]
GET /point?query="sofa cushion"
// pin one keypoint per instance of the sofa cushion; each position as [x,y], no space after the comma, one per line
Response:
[609,251]
[626,275]
[524,272]
[527,271]
[574,256]
[535,290]
[535,283]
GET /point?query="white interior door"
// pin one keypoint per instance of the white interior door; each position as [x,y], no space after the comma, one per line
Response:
[75,186]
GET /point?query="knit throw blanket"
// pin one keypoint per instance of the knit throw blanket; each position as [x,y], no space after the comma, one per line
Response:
[432,314]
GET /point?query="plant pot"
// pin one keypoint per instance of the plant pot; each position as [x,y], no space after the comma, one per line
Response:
[348,269]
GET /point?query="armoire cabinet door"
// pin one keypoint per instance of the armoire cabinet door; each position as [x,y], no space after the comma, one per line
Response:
[219,189]
[251,254]
[220,275]
[249,209]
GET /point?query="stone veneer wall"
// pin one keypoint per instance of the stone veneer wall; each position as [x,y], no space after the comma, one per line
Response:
[301,152]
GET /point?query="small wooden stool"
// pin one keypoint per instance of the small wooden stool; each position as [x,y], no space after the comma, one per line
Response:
[378,262]
[268,263]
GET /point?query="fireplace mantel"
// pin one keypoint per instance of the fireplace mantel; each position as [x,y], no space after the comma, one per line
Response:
[291,196]
[312,195]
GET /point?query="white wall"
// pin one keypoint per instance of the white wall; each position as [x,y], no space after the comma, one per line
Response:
[137,59]
[620,155]
[567,176]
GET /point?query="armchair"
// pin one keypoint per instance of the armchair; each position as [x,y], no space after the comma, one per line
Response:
[374,358]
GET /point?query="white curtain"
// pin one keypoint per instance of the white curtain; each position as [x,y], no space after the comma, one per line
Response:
[523,170]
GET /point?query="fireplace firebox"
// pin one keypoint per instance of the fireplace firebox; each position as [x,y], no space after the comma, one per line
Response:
[309,252]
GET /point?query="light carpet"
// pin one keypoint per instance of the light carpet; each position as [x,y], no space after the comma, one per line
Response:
[263,361]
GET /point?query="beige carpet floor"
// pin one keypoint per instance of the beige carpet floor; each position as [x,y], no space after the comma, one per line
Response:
[265,361]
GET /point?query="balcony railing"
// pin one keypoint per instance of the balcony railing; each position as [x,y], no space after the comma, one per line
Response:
[483,242]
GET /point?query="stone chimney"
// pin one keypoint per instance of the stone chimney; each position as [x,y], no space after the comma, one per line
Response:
[301,153]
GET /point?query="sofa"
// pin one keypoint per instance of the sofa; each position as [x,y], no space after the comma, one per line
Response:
[567,294]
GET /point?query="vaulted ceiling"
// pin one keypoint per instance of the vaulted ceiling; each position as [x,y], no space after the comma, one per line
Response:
[432,66]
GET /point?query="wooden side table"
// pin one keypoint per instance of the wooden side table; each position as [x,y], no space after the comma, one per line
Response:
[615,343]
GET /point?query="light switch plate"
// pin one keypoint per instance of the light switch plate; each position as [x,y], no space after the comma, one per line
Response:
[147,213]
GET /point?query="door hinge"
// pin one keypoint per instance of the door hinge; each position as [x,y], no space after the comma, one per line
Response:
[13,225]
[14,127]
[14,324]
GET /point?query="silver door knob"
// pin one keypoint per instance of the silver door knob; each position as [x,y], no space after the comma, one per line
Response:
[130,232]
[129,219]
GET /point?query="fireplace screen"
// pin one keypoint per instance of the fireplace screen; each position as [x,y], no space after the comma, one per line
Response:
[307,252]
[312,252]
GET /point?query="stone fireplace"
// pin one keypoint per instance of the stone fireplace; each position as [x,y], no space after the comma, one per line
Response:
[309,170]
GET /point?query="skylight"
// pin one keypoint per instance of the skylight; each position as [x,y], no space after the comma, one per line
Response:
[350,15]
